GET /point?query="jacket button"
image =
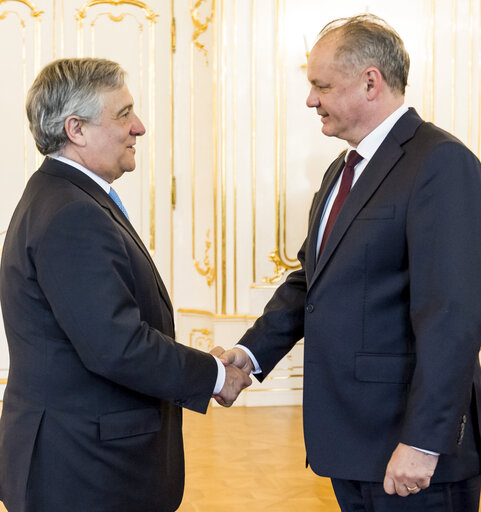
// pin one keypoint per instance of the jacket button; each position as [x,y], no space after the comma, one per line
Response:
[310,308]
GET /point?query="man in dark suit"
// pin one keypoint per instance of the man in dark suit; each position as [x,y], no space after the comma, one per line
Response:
[92,417]
[388,296]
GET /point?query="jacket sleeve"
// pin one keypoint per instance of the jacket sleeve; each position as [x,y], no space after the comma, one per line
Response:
[444,247]
[282,323]
[83,268]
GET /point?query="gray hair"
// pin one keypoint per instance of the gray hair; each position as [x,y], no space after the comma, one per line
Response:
[367,40]
[68,87]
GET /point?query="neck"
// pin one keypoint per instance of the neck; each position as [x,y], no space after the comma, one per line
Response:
[375,115]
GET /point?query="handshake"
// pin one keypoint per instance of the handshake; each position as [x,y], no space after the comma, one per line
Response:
[238,366]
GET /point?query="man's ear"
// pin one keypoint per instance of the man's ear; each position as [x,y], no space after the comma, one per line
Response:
[75,130]
[373,82]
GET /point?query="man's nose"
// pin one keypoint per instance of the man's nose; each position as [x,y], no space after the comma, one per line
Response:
[138,127]
[312,99]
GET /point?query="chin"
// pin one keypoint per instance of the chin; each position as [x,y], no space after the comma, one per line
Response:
[327,132]
[128,168]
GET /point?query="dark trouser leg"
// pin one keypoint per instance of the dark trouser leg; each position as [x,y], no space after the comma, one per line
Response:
[370,497]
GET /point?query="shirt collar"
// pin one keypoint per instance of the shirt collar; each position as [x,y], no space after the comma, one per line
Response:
[371,142]
[100,181]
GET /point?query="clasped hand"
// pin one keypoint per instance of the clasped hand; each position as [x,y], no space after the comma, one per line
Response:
[238,366]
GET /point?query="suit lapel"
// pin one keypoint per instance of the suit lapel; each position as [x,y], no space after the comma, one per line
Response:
[78,178]
[332,174]
[380,165]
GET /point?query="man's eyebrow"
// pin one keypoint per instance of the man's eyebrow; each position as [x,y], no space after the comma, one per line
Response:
[316,83]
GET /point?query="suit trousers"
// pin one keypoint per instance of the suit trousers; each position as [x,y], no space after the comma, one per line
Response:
[354,496]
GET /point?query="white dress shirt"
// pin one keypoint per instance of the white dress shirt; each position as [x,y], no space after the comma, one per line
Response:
[367,147]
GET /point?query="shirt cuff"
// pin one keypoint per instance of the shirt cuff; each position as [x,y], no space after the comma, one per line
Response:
[426,451]
[257,368]
[219,383]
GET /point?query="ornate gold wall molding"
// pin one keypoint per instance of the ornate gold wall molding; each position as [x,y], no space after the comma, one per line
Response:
[253,134]
[201,339]
[34,12]
[215,143]
[173,183]
[223,155]
[4,14]
[117,19]
[215,316]
[234,154]
[201,26]
[280,267]
[82,12]
[282,262]
[208,270]
[37,15]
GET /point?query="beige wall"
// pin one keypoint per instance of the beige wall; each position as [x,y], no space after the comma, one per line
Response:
[227,120]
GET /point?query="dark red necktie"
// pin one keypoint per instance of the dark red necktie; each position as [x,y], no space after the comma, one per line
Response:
[346,183]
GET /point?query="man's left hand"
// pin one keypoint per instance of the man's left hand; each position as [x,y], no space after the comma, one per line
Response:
[409,471]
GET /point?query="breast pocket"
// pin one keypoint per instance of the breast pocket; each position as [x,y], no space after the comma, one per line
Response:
[377,213]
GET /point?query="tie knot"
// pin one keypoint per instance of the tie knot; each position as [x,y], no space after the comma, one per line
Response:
[353,158]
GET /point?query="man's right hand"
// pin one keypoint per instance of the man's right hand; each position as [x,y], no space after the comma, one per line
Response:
[235,381]
[234,356]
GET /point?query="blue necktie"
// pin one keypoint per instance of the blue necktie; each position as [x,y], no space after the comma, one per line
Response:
[118,202]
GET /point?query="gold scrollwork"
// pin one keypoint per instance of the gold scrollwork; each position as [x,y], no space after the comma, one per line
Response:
[200,339]
[200,26]
[34,12]
[207,271]
[279,257]
[116,19]
[149,13]
[4,14]
[280,268]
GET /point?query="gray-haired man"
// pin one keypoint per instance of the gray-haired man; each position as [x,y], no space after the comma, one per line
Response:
[92,411]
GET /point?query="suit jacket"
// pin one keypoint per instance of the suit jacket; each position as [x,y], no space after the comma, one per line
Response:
[92,411]
[391,314]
